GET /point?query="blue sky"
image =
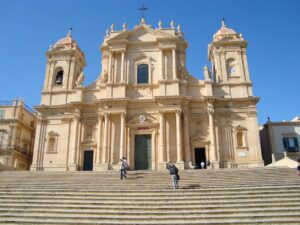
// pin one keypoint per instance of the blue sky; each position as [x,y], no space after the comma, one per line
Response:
[272,28]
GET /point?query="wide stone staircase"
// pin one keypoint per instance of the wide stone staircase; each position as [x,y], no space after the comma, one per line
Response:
[227,196]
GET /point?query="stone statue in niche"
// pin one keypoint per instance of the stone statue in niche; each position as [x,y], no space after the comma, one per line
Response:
[80,80]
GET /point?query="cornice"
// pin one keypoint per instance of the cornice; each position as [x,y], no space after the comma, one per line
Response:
[64,90]
[284,123]
[252,99]
[230,83]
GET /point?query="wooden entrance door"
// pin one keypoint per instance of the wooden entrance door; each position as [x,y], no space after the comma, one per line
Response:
[88,160]
[142,152]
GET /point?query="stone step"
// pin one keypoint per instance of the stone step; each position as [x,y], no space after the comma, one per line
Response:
[129,202]
[145,219]
[150,208]
[138,212]
[177,194]
[150,198]
[262,187]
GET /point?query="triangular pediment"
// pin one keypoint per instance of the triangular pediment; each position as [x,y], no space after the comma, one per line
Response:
[142,33]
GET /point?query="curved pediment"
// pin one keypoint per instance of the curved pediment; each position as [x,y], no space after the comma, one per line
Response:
[199,138]
[52,134]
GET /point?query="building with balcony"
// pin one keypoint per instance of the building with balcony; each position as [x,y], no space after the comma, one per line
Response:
[17,132]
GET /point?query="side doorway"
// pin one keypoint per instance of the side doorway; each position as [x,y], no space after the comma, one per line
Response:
[88,157]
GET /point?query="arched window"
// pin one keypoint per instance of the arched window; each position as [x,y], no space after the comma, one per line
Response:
[59,77]
[51,144]
[239,139]
[231,67]
[142,74]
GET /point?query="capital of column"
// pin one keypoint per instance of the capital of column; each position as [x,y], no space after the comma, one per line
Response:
[123,114]
[178,112]
[106,115]
[210,109]
[252,113]
[162,113]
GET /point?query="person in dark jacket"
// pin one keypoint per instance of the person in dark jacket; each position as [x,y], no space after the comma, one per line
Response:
[174,175]
[298,167]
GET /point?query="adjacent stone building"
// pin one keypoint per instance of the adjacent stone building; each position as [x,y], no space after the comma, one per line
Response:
[146,106]
[278,138]
[17,131]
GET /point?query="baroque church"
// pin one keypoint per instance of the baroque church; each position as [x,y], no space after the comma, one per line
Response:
[146,106]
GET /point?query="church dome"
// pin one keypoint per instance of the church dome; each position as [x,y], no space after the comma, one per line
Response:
[66,42]
[224,31]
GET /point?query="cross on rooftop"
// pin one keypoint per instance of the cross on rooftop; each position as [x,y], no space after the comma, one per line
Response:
[143,8]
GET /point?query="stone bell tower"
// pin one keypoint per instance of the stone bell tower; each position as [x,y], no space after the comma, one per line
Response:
[63,77]
[227,54]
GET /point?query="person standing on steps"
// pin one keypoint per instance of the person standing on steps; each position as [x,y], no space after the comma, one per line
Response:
[125,164]
[122,169]
[174,175]
[202,165]
[298,167]
[208,164]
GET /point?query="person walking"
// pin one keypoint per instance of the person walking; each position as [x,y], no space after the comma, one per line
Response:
[174,175]
[298,167]
[122,169]
[125,164]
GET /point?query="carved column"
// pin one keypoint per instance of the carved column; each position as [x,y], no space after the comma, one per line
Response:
[100,125]
[187,147]
[241,66]
[105,144]
[254,142]
[110,67]
[210,111]
[162,66]
[174,64]
[115,71]
[178,136]
[122,67]
[38,144]
[224,66]
[245,64]
[74,152]
[162,155]
[122,135]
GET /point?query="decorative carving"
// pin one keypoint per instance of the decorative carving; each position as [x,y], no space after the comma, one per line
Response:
[179,28]
[103,77]
[160,25]
[124,27]
[207,73]
[172,24]
[142,118]
[66,120]
[80,80]
[210,109]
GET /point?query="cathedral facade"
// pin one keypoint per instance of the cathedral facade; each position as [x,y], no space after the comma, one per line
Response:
[146,106]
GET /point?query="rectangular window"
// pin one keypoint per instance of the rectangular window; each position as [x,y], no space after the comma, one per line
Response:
[291,144]
[1,114]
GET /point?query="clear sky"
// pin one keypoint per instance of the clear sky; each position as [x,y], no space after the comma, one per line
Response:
[271,27]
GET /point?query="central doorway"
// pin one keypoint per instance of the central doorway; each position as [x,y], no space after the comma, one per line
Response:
[200,157]
[142,152]
[88,160]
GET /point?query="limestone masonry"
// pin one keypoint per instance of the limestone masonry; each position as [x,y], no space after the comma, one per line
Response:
[146,106]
